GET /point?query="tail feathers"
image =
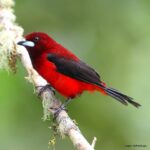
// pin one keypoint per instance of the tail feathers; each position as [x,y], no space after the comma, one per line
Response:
[124,99]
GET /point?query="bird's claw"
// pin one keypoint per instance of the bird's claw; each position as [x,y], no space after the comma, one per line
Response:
[58,110]
[62,107]
[44,88]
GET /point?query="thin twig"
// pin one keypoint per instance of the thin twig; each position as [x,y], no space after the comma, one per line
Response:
[94,142]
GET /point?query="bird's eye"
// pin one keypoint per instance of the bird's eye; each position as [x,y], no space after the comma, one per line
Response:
[36,39]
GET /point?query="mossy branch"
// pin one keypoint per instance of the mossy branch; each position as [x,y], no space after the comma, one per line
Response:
[10,34]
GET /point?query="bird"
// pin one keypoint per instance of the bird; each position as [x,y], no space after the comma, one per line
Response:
[64,71]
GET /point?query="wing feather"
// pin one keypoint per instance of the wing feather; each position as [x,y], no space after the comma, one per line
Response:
[75,69]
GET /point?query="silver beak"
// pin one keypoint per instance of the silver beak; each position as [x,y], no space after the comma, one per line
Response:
[26,43]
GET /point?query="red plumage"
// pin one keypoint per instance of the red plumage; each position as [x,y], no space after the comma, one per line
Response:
[65,71]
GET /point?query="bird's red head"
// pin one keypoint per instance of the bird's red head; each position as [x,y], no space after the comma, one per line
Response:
[37,43]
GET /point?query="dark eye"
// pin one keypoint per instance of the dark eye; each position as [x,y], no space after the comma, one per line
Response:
[36,39]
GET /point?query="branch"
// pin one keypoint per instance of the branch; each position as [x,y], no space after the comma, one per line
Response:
[10,33]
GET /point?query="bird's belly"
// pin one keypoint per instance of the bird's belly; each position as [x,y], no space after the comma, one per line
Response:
[65,85]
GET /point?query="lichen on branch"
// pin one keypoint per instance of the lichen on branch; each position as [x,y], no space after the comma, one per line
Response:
[10,32]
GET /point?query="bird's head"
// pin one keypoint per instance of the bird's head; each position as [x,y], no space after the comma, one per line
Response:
[37,43]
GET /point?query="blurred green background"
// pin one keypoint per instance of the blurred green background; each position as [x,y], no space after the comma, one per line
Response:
[113,36]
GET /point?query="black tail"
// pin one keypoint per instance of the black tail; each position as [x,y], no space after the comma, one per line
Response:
[124,99]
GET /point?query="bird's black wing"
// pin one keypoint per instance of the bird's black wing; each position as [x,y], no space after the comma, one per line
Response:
[75,69]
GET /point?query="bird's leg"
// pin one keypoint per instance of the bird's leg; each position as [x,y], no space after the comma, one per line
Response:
[62,107]
[66,102]
[44,88]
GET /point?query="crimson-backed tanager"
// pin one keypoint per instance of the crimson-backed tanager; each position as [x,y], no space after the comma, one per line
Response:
[64,71]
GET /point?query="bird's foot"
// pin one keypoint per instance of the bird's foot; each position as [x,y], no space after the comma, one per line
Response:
[44,88]
[58,110]
[62,107]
